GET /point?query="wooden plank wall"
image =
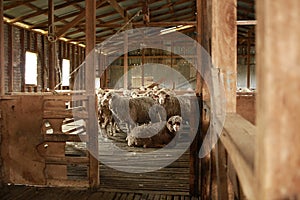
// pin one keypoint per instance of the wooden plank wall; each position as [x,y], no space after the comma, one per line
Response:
[278,108]
[25,40]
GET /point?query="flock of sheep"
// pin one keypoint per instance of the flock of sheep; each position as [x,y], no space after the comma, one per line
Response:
[152,117]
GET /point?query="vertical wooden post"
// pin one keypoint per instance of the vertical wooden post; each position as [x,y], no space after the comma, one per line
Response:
[221,169]
[205,163]
[224,40]
[43,63]
[22,59]
[2,58]
[10,58]
[72,66]
[92,130]
[248,60]
[125,61]
[195,147]
[278,76]
[143,68]
[51,45]
[199,40]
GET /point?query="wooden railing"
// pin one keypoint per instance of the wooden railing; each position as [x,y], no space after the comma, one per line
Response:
[238,138]
[229,169]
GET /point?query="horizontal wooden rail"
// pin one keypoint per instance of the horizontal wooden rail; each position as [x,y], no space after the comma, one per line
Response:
[62,114]
[65,138]
[67,160]
[238,137]
[68,183]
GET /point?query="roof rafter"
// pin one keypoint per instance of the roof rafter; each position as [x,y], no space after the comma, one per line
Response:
[118,8]
[43,12]
[75,21]
[16,4]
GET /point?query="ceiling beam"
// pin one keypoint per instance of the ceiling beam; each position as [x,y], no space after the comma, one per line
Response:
[16,3]
[75,21]
[117,7]
[43,12]
[155,24]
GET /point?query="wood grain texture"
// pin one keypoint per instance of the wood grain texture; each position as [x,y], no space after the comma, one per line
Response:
[2,58]
[278,75]
[224,40]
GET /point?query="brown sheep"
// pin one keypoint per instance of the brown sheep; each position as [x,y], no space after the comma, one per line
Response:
[154,135]
[134,111]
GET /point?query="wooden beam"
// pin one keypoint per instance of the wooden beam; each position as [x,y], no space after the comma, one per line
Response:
[221,170]
[125,61]
[43,63]
[2,58]
[44,11]
[73,23]
[22,59]
[194,148]
[224,53]
[199,40]
[16,4]
[238,137]
[10,49]
[51,46]
[92,130]
[246,22]
[248,61]
[206,163]
[117,7]
[278,77]
[79,18]
[153,24]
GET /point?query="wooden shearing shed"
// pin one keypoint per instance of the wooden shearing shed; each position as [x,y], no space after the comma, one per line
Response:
[149,99]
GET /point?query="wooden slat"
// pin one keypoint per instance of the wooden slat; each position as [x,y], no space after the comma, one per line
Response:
[67,183]
[62,114]
[2,58]
[10,58]
[238,138]
[246,22]
[67,160]
[22,59]
[65,138]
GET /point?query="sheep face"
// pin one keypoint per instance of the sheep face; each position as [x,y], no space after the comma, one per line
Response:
[174,123]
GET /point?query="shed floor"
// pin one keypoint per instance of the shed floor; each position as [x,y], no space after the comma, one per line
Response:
[18,192]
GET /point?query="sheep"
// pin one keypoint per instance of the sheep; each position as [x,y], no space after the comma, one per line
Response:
[175,105]
[134,111]
[154,135]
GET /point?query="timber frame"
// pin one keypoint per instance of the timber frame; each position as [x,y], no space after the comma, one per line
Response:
[247,158]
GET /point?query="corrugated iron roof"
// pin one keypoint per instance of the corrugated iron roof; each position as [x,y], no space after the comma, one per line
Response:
[34,13]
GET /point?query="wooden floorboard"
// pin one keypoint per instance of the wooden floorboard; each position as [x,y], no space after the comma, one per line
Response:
[17,192]
[173,178]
